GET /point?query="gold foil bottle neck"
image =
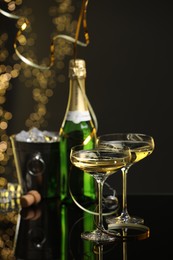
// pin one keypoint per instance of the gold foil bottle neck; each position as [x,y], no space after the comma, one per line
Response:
[77,68]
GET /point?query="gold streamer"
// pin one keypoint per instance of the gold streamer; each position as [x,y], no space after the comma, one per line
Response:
[82,16]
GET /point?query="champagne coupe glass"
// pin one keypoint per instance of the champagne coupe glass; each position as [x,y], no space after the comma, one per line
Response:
[141,146]
[99,163]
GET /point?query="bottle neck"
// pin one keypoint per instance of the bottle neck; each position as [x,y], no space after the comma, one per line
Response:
[77,100]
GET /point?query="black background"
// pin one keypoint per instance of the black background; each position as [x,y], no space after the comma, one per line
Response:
[129,82]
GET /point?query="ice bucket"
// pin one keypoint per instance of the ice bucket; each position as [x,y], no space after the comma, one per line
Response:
[37,166]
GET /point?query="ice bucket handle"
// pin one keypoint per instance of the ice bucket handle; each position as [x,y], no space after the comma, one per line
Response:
[36,165]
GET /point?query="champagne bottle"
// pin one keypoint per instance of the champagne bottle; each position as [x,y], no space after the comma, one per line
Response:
[77,128]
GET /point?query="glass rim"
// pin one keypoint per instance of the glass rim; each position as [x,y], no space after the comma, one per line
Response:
[124,134]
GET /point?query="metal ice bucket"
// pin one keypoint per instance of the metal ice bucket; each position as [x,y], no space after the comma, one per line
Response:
[37,166]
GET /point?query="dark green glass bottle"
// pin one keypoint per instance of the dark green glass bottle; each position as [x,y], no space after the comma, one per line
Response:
[77,128]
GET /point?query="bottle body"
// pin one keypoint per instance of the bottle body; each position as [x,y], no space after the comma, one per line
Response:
[77,128]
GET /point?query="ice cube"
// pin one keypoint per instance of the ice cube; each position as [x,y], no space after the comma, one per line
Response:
[35,135]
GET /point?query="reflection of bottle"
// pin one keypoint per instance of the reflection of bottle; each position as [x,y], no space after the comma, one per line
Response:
[80,221]
[77,128]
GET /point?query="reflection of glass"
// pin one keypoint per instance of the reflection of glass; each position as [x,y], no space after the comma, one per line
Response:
[99,163]
[98,251]
[141,146]
[124,250]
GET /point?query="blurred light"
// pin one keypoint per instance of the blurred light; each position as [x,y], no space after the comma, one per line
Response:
[41,83]
[23,27]
[3,125]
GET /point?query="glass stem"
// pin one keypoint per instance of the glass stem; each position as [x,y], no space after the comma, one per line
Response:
[124,195]
[100,183]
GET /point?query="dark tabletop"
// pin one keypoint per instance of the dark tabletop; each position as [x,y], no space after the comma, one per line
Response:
[51,231]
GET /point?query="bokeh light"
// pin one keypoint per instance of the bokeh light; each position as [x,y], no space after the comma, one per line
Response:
[41,82]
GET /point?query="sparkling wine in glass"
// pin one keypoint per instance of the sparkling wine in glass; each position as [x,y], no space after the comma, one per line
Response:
[141,146]
[99,163]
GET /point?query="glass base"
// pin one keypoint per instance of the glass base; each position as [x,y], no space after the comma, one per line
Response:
[125,219]
[97,236]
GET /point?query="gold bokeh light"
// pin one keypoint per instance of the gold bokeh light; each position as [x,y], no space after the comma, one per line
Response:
[41,82]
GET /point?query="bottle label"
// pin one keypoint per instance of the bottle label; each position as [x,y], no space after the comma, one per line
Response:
[78,116]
